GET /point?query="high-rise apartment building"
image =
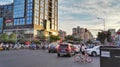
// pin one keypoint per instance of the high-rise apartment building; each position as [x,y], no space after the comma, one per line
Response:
[33,16]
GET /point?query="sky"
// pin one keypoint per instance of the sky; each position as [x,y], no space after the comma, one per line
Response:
[85,13]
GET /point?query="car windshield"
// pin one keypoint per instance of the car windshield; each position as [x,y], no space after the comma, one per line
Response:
[63,46]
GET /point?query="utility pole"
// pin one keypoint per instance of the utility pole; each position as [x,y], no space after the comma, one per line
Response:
[103,22]
[16,34]
[105,41]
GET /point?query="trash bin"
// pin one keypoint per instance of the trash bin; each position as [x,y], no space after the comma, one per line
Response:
[109,56]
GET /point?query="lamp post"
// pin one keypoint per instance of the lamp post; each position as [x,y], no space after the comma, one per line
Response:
[103,22]
[16,34]
[105,41]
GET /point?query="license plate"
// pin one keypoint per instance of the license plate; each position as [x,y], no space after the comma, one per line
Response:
[63,50]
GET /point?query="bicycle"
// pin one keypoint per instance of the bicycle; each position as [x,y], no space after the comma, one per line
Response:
[80,58]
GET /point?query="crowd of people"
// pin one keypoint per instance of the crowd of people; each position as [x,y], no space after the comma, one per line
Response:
[32,45]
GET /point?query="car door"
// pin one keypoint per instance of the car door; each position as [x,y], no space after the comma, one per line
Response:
[98,50]
[72,49]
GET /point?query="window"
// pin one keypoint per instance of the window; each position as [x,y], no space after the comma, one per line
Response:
[22,21]
[29,20]
[16,22]
[36,21]
[29,13]
[37,14]
[19,8]
[29,1]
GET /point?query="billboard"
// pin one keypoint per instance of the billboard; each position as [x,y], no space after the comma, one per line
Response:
[9,22]
[1,25]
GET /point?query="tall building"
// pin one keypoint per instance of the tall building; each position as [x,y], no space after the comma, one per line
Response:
[32,17]
[82,33]
[6,16]
[62,34]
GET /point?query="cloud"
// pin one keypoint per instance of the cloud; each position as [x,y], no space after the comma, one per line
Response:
[84,13]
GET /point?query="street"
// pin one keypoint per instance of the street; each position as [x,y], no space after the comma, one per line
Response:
[40,58]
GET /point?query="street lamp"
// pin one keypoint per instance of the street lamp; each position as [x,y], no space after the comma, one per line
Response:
[105,41]
[103,22]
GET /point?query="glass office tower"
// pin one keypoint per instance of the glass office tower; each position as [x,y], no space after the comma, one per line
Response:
[33,16]
[6,16]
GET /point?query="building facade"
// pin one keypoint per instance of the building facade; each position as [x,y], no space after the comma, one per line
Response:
[82,33]
[33,16]
[113,34]
[62,34]
[6,16]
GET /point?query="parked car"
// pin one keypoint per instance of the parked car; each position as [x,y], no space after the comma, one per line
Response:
[95,51]
[65,49]
[52,47]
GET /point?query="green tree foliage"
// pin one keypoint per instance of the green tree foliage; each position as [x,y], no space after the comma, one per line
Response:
[69,37]
[77,39]
[53,38]
[12,37]
[89,41]
[103,35]
[41,35]
[4,37]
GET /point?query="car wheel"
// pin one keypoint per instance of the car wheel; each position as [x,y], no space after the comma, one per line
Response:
[58,54]
[49,51]
[94,54]
[70,54]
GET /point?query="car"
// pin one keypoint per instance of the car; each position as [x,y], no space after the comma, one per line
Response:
[95,51]
[52,47]
[65,49]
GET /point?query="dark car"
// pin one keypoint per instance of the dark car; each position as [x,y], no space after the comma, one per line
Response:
[52,47]
[65,49]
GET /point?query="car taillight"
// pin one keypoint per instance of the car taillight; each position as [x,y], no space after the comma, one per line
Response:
[58,49]
[67,49]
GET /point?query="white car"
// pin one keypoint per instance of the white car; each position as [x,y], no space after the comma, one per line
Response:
[95,51]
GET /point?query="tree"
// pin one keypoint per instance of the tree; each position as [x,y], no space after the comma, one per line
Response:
[89,41]
[53,38]
[4,37]
[77,39]
[109,38]
[41,35]
[69,37]
[12,37]
[103,35]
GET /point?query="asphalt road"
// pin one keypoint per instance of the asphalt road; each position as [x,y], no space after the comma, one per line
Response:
[40,58]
